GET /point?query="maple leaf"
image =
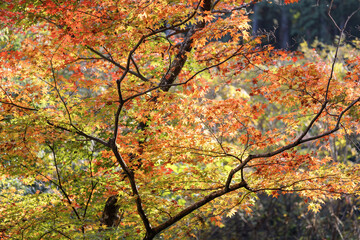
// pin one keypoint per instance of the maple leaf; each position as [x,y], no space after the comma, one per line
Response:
[231,213]
[290,1]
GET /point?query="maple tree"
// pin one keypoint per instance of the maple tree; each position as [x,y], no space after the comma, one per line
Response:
[134,119]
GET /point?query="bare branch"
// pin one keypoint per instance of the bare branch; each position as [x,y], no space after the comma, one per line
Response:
[93,185]
[81,133]
[18,106]
[117,64]
[197,205]
[61,187]
[338,45]
[14,104]
[58,92]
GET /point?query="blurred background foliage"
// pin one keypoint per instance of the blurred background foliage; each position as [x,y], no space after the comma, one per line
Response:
[307,20]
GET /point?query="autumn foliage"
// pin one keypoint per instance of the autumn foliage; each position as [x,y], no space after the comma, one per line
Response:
[144,104]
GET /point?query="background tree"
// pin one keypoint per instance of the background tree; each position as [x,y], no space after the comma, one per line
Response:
[108,101]
[306,20]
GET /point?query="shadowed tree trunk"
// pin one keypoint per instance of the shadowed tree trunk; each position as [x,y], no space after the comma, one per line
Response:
[284,28]
[255,20]
[110,216]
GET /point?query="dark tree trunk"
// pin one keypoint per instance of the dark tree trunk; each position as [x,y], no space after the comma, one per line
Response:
[110,216]
[284,28]
[255,20]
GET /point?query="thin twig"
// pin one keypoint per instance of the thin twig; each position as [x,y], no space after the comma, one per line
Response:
[61,187]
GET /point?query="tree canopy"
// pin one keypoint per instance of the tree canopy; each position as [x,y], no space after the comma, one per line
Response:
[135,118]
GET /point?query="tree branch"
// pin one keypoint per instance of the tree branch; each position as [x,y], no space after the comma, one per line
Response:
[299,141]
[197,205]
[81,133]
[338,45]
[102,56]
[18,106]
[134,189]
[60,186]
